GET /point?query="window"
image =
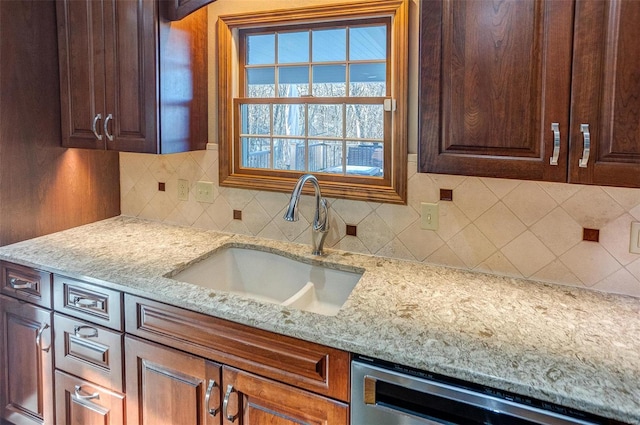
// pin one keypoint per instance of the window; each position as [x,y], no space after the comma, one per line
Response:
[312,93]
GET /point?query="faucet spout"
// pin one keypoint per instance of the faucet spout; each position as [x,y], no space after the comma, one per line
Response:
[320,226]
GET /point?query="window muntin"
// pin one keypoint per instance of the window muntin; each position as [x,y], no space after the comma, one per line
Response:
[347,64]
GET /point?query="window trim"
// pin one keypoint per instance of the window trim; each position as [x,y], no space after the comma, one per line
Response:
[394,189]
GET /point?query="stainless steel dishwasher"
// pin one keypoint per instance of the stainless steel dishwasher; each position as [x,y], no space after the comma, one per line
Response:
[384,393]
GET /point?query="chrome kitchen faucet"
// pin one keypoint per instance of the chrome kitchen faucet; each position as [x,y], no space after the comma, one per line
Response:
[320,226]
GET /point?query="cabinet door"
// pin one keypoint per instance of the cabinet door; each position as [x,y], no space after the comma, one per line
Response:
[26,363]
[494,78]
[606,93]
[253,400]
[81,402]
[81,59]
[166,386]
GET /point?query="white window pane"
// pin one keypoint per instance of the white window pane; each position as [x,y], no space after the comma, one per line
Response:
[261,49]
[329,45]
[325,156]
[293,81]
[364,159]
[289,154]
[368,43]
[329,80]
[256,152]
[261,82]
[255,119]
[288,120]
[368,80]
[293,47]
[365,121]
[325,120]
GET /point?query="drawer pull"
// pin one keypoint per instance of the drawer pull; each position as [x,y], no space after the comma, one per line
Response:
[586,150]
[225,404]
[85,331]
[213,412]
[21,284]
[555,127]
[43,327]
[78,390]
[87,303]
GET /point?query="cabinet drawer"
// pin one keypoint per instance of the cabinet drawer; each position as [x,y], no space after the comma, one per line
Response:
[89,351]
[26,284]
[82,402]
[303,364]
[86,301]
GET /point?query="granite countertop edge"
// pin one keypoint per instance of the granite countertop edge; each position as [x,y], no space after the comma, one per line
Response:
[569,346]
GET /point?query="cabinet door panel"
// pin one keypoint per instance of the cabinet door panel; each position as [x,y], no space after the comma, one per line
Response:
[494,77]
[605,91]
[168,386]
[80,49]
[266,402]
[26,363]
[79,402]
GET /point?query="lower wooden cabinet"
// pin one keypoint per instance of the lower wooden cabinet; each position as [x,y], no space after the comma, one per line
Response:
[166,386]
[26,363]
[252,400]
[82,402]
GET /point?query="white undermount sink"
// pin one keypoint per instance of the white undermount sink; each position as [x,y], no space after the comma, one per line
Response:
[270,277]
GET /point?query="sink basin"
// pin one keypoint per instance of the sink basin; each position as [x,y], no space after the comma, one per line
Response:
[270,277]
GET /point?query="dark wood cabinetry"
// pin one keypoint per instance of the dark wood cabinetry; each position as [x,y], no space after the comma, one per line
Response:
[131,80]
[26,363]
[509,89]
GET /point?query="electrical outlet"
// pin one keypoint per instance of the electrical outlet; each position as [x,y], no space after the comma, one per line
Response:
[430,217]
[204,192]
[183,190]
[634,240]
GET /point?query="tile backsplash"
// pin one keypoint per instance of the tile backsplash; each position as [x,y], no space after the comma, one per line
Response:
[508,227]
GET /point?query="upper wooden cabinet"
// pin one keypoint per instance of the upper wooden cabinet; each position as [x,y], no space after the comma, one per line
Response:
[131,80]
[507,87]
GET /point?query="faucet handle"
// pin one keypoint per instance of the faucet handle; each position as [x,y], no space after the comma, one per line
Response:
[322,222]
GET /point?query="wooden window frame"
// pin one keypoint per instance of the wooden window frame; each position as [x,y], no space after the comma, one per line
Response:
[390,189]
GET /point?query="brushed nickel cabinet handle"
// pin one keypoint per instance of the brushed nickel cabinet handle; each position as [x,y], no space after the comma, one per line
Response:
[86,303]
[16,283]
[77,393]
[42,328]
[586,150]
[85,331]
[94,124]
[207,398]
[105,127]
[555,127]
[225,404]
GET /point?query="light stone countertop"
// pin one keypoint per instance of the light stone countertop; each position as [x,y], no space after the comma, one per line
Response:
[565,345]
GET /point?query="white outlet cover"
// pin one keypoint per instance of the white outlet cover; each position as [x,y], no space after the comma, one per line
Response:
[634,238]
[204,192]
[430,216]
[183,190]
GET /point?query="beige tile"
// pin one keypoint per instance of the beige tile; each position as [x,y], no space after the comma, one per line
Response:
[189,170]
[529,202]
[206,222]
[255,218]
[374,233]
[560,192]
[451,220]
[592,207]
[132,203]
[272,231]
[447,181]
[473,198]
[337,230]
[351,212]
[627,198]
[528,254]
[191,210]
[498,264]
[395,249]
[590,262]
[237,198]
[421,188]
[614,237]
[351,244]
[161,168]
[237,227]
[621,282]
[421,243]
[220,212]
[293,229]
[397,217]
[500,187]
[175,217]
[158,207]
[273,203]
[500,225]
[446,257]
[635,213]
[557,272]
[634,268]
[471,246]
[558,231]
